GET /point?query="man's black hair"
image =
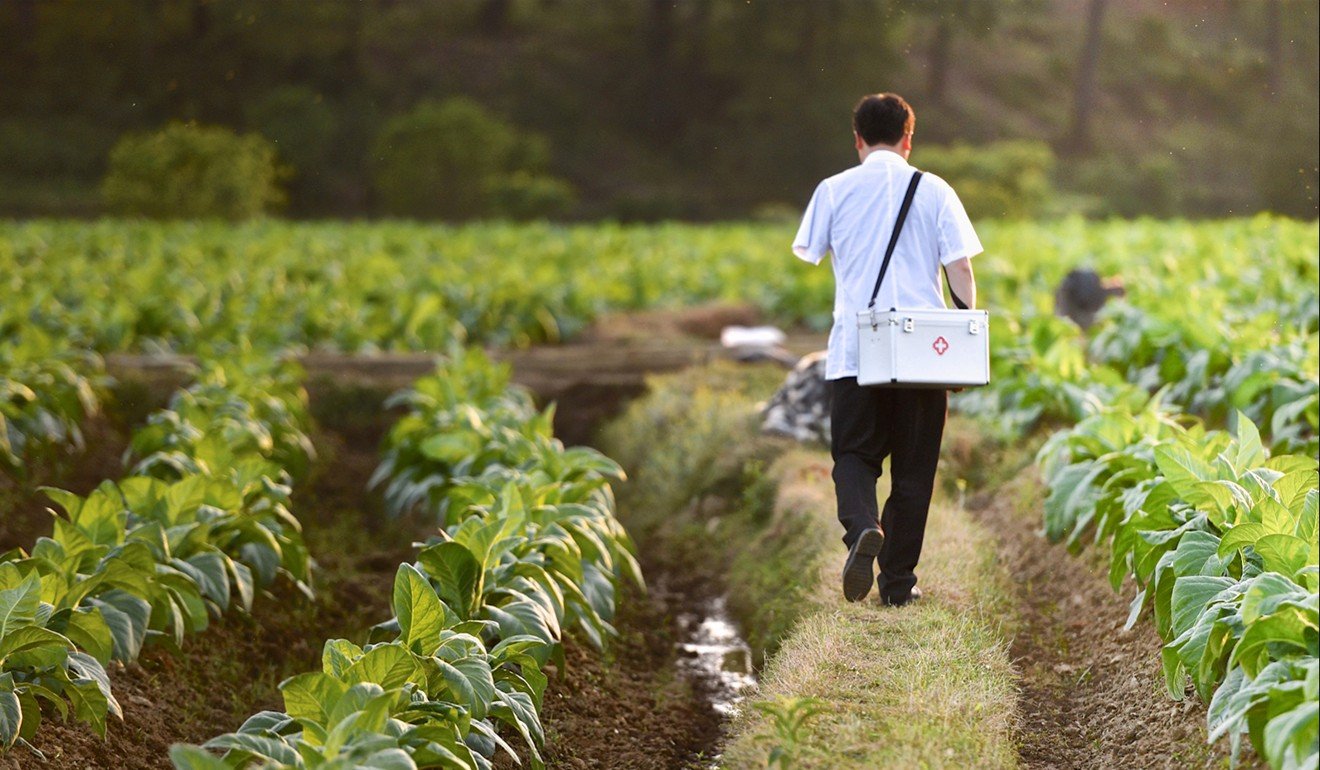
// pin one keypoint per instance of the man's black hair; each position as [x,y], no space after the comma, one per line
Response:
[883,119]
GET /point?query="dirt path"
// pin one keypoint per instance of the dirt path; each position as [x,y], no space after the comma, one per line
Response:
[1092,695]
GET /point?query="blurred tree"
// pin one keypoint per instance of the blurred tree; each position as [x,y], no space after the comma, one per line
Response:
[189,171]
[455,160]
[693,108]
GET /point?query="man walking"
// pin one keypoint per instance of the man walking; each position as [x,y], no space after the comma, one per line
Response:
[852,215]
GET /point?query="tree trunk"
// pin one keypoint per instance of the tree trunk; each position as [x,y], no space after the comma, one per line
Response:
[661,94]
[1273,50]
[937,59]
[201,21]
[1079,137]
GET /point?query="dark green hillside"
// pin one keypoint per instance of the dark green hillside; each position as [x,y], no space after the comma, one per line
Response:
[654,108]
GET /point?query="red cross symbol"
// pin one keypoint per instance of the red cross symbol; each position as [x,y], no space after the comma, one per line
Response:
[940,345]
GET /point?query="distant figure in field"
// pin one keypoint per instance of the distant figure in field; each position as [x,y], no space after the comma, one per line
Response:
[1082,293]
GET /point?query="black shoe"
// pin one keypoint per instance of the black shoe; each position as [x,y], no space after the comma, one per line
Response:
[913,595]
[858,569]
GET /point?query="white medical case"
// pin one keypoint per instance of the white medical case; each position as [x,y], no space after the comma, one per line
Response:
[923,348]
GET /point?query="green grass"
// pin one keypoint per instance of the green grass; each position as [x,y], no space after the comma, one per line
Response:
[925,686]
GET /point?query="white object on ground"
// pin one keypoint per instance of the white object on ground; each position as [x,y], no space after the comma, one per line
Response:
[751,336]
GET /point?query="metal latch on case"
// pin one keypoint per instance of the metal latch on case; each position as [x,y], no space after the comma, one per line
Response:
[909,325]
[973,327]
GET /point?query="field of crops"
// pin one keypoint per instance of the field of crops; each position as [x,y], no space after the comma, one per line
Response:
[1183,437]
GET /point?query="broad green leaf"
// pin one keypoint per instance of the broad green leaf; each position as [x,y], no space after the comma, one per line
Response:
[450,448]
[1289,626]
[1197,554]
[1183,469]
[1308,522]
[1239,537]
[1249,451]
[90,704]
[243,582]
[311,695]
[126,616]
[1191,595]
[387,759]
[420,612]
[388,665]
[262,721]
[470,682]
[18,605]
[34,647]
[212,575]
[88,630]
[32,709]
[260,745]
[1266,593]
[338,655]
[517,710]
[1293,488]
[456,574]
[11,718]
[1284,554]
[1291,738]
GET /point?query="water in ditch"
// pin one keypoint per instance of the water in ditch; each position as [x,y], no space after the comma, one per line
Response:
[714,657]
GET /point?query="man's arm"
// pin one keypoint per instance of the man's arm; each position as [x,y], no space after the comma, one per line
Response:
[962,283]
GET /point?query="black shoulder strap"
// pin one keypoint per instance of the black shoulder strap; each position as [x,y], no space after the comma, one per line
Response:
[893,239]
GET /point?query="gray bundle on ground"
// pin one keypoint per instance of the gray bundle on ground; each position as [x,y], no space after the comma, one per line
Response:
[800,408]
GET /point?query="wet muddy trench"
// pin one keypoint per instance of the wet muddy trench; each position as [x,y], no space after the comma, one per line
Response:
[704,651]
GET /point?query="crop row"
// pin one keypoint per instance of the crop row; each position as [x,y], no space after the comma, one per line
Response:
[1218,535]
[117,286]
[201,523]
[527,547]
[1047,373]
[1221,540]
[1227,307]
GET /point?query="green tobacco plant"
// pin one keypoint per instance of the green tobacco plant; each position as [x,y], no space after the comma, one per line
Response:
[431,697]
[42,658]
[365,287]
[155,558]
[48,388]
[248,406]
[1221,539]
[527,547]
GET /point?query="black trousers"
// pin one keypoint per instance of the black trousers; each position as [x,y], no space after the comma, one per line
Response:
[867,425]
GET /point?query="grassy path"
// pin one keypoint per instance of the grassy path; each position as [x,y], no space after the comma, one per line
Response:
[925,686]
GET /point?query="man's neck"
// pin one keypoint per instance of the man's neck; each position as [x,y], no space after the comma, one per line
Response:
[863,153]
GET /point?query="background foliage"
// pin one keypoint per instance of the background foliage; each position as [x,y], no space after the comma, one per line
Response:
[652,109]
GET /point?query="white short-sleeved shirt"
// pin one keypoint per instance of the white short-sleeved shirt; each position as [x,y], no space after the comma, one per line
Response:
[852,215]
